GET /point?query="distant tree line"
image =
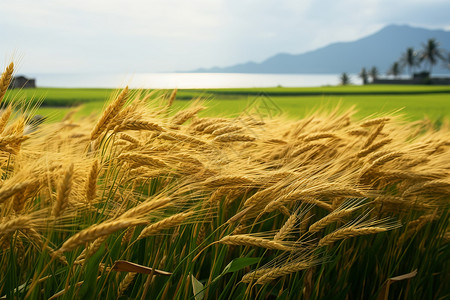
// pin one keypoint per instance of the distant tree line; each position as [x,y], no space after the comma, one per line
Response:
[425,58]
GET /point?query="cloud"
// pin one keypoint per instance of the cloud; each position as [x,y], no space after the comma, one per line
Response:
[158,35]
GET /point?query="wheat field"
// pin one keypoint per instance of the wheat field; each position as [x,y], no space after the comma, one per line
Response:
[144,202]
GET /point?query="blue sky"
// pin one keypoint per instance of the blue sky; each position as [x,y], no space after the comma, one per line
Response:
[56,36]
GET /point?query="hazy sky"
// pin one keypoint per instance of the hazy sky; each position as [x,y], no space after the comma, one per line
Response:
[166,35]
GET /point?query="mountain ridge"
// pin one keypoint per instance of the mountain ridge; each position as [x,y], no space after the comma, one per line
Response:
[379,49]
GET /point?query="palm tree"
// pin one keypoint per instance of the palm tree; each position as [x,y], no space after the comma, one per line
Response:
[345,79]
[373,73]
[395,70]
[431,53]
[409,59]
[447,61]
[363,75]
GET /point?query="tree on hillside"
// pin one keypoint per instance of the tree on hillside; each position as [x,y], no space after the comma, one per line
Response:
[395,70]
[373,73]
[345,80]
[409,59]
[431,53]
[364,76]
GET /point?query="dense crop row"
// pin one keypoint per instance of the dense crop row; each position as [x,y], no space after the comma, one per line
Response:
[146,202]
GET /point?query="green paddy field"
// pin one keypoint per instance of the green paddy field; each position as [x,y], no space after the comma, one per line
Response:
[414,102]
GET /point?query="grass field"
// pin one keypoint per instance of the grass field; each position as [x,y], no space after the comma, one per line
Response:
[170,200]
[415,102]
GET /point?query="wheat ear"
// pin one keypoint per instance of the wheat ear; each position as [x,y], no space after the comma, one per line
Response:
[96,231]
[349,232]
[110,112]
[286,228]
[5,117]
[172,97]
[275,273]
[166,223]
[233,137]
[376,121]
[331,218]
[246,240]
[5,80]
[12,225]
[373,136]
[252,276]
[145,207]
[8,191]
[91,183]
[62,195]
[184,115]
[125,283]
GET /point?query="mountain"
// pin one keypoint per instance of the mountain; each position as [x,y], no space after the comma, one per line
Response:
[380,49]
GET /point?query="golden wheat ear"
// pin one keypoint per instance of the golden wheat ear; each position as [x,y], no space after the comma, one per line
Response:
[5,80]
